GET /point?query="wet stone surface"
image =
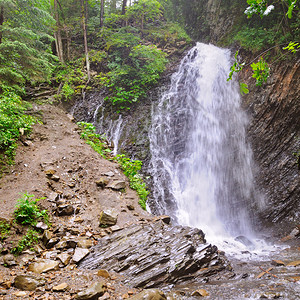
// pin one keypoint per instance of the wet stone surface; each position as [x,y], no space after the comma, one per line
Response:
[151,255]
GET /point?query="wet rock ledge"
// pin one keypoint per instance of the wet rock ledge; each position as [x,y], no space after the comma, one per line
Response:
[156,254]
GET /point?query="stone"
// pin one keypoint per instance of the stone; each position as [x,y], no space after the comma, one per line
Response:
[78,220]
[293,263]
[117,185]
[67,210]
[28,282]
[200,293]
[64,258]
[79,254]
[151,294]
[275,262]
[102,182]
[108,217]
[55,178]
[245,241]
[61,287]
[130,206]
[41,226]
[47,235]
[9,260]
[106,296]
[148,255]
[50,172]
[97,289]
[109,174]
[52,242]
[103,273]
[43,266]
[84,243]
[20,294]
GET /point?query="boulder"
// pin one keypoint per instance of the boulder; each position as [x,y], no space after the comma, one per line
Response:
[117,185]
[28,282]
[151,294]
[97,289]
[150,255]
[64,258]
[67,210]
[43,266]
[108,217]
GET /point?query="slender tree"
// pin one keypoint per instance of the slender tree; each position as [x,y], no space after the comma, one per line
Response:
[83,18]
[124,5]
[1,21]
[102,13]
[57,34]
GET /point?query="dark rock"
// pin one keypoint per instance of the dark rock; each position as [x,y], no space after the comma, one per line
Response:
[108,217]
[149,255]
[102,182]
[151,294]
[28,282]
[97,289]
[67,210]
[245,241]
[47,235]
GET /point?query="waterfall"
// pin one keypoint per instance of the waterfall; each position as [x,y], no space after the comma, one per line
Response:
[201,163]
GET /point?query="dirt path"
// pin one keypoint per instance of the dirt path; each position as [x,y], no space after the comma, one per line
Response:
[56,145]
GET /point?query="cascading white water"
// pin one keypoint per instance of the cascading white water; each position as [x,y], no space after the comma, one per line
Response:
[201,163]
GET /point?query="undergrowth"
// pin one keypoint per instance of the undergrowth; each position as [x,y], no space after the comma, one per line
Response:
[130,167]
[30,239]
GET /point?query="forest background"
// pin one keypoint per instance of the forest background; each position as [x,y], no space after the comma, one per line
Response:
[122,47]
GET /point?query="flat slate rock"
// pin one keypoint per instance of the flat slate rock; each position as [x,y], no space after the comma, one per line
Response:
[155,254]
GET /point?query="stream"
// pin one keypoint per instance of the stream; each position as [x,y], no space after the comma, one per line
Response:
[203,175]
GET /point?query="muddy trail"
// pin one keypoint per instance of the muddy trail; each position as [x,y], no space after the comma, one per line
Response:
[55,164]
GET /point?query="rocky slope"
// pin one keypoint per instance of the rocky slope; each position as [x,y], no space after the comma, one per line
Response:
[274,132]
[90,204]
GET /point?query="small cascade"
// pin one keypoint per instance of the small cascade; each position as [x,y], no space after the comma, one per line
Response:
[202,165]
[91,108]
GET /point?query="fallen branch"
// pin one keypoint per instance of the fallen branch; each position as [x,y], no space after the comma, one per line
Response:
[265,272]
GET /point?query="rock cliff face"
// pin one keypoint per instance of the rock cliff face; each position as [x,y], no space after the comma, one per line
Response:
[275,135]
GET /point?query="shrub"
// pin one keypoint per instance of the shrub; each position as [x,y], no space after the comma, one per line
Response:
[27,241]
[28,212]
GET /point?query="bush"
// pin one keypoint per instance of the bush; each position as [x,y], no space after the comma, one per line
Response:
[27,241]
[28,212]
[13,122]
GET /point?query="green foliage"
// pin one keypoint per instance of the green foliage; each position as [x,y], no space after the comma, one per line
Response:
[261,71]
[13,122]
[4,230]
[129,80]
[96,141]
[28,212]
[236,67]
[144,10]
[26,43]
[131,169]
[27,241]
[244,88]
[292,47]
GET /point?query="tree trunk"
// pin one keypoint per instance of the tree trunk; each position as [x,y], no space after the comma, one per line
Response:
[1,21]
[113,6]
[84,12]
[102,14]
[124,5]
[58,41]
